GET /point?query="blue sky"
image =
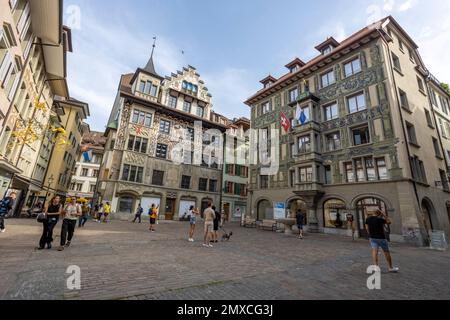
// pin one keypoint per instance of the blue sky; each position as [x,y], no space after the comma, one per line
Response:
[233,44]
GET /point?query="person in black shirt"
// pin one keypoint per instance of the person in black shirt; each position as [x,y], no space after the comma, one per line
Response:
[52,212]
[375,227]
[217,219]
[300,218]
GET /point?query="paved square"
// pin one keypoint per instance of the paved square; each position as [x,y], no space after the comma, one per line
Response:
[122,260]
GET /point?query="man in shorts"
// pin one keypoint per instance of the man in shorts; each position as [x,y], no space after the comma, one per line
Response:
[375,227]
[209,215]
[153,213]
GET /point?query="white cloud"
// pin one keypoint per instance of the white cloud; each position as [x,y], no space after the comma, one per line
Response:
[229,88]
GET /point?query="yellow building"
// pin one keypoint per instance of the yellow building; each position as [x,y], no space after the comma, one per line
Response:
[67,149]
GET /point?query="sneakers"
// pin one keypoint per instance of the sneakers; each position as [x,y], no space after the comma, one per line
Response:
[191,240]
[210,246]
[3,230]
[68,244]
[61,248]
[394,270]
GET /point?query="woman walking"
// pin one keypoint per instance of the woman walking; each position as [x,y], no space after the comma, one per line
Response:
[52,213]
[193,213]
[106,212]
[71,214]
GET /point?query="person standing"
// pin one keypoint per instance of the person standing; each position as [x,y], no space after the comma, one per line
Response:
[193,213]
[300,218]
[52,213]
[153,213]
[6,206]
[138,214]
[351,224]
[375,226]
[71,214]
[95,213]
[106,212]
[209,215]
[100,213]
[217,220]
[84,215]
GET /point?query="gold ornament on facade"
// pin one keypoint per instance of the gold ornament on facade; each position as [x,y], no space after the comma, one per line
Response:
[40,105]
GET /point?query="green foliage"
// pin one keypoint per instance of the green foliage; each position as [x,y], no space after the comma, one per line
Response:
[446,87]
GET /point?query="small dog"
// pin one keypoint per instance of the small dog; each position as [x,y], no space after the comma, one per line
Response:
[227,236]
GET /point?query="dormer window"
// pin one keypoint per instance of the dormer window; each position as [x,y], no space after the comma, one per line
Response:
[189,87]
[327,50]
[295,65]
[268,84]
[268,81]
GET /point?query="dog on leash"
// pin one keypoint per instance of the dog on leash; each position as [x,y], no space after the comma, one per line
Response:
[227,236]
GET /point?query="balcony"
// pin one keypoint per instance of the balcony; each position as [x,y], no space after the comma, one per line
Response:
[308,188]
[310,126]
[308,157]
[146,96]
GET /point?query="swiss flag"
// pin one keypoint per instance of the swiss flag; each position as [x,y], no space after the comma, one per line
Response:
[285,123]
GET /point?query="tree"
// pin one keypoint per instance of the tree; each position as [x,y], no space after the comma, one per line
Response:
[446,87]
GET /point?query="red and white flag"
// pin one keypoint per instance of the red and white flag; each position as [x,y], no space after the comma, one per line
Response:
[285,123]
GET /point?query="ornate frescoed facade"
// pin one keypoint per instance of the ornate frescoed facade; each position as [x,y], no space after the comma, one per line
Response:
[148,118]
[362,141]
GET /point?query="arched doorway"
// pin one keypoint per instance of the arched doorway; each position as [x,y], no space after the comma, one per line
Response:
[297,204]
[365,206]
[335,214]
[264,210]
[429,213]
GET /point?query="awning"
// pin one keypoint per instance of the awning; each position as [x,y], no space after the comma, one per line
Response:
[46,17]
[8,167]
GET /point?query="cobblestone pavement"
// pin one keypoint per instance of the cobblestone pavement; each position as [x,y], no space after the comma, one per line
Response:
[122,260]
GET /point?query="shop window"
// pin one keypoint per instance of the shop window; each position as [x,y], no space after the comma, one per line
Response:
[335,214]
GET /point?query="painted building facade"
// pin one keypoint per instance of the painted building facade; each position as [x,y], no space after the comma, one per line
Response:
[148,118]
[360,140]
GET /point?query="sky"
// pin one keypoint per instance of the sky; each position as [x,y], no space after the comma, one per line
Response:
[233,44]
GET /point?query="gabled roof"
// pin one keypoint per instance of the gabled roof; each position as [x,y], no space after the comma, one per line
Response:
[295,62]
[268,79]
[329,42]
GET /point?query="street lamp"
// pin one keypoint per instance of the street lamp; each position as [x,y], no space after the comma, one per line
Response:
[50,182]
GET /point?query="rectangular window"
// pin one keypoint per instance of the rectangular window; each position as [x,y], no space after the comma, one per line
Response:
[412,138]
[187,107]
[403,99]
[158,178]
[95,173]
[200,111]
[185,182]
[161,151]
[292,178]
[444,180]
[304,144]
[265,108]
[370,169]
[142,118]
[382,169]
[359,170]
[328,175]
[331,112]
[396,61]
[420,84]
[306,174]
[356,103]
[264,182]
[443,105]
[328,79]
[84,172]
[173,102]
[92,188]
[202,184]
[442,128]
[333,141]
[361,136]
[154,90]
[132,173]
[349,175]
[353,67]
[437,148]
[213,186]
[164,127]
[293,95]
[429,120]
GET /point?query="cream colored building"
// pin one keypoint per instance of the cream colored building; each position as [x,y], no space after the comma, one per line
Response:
[363,140]
[148,118]
[33,46]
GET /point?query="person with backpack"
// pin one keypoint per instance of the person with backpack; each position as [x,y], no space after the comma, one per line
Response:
[138,214]
[6,206]
[153,213]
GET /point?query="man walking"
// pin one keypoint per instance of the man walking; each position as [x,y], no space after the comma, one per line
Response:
[6,206]
[138,214]
[72,213]
[375,227]
[209,215]
[106,212]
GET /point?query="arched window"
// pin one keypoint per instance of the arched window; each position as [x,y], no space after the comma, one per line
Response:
[363,207]
[334,214]
[265,210]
